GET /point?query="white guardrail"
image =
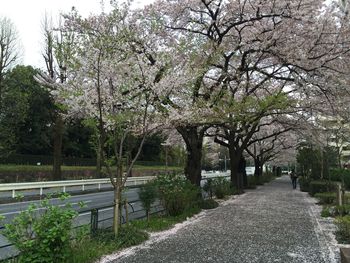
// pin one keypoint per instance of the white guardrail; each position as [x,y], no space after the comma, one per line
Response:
[131,181]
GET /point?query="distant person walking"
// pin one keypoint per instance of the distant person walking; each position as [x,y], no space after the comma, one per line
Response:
[293,177]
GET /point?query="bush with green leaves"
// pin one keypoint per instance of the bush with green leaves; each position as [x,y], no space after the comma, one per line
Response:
[320,187]
[252,182]
[343,229]
[42,233]
[304,184]
[333,211]
[326,198]
[176,193]
[148,195]
[340,175]
[221,187]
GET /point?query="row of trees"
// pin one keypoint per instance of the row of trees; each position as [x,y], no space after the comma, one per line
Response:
[251,76]
[244,73]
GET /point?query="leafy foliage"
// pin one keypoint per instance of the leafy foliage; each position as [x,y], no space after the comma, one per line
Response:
[221,187]
[320,187]
[343,229]
[176,193]
[147,195]
[326,198]
[42,233]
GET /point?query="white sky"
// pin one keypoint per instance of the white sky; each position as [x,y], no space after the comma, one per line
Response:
[27,16]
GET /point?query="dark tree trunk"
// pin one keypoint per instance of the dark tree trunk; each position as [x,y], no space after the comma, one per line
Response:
[193,137]
[242,171]
[236,174]
[57,147]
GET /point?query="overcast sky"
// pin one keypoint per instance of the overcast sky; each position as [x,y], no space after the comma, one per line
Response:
[27,16]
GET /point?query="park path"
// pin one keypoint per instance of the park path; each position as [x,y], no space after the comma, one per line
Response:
[270,224]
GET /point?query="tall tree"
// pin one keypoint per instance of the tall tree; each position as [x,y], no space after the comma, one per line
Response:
[9,50]
[55,53]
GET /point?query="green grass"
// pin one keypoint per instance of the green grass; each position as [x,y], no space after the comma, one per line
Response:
[89,249]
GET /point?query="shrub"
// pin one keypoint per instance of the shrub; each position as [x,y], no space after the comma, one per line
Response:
[320,187]
[176,193]
[267,177]
[221,187]
[252,182]
[148,195]
[343,229]
[304,184]
[208,204]
[326,198]
[339,210]
[339,175]
[326,211]
[42,237]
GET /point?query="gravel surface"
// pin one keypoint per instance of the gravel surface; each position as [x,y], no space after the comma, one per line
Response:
[270,224]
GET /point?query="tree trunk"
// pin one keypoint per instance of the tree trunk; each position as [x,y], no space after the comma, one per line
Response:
[193,137]
[116,211]
[236,175]
[57,147]
[100,156]
[257,173]
[242,171]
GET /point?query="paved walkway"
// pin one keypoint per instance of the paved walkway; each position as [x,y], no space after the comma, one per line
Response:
[270,224]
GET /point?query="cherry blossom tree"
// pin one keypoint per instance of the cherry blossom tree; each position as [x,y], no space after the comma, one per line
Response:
[250,56]
[113,81]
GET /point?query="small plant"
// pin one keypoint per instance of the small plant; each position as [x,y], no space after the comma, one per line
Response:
[148,195]
[339,210]
[42,233]
[208,204]
[343,229]
[221,187]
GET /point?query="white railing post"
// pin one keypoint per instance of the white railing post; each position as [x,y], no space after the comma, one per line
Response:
[13,193]
[99,186]
[64,189]
[83,187]
[41,191]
